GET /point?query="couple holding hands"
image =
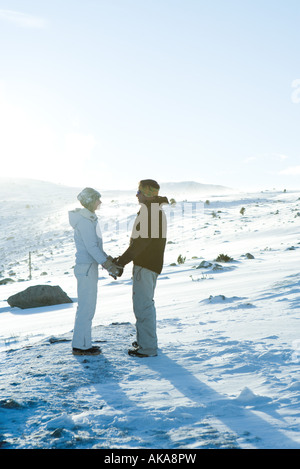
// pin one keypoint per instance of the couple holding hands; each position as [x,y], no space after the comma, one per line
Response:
[146,250]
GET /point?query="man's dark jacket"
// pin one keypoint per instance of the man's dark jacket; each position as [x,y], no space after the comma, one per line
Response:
[146,249]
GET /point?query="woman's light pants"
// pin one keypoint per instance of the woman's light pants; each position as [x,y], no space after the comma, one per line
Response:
[87,285]
[144,283]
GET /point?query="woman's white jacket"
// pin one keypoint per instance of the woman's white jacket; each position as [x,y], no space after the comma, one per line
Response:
[87,237]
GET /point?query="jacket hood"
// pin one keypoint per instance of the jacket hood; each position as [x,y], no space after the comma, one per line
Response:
[76,215]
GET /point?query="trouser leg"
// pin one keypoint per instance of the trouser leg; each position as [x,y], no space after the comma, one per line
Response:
[144,283]
[87,284]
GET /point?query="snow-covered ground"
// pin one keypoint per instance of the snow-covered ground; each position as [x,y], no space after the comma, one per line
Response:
[227,373]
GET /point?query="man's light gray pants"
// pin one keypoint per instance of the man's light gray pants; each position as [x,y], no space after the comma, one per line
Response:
[87,285]
[144,283]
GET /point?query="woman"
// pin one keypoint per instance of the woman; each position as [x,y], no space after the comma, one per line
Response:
[89,254]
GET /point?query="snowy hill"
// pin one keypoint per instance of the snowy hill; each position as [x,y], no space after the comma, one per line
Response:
[227,372]
[35,191]
[193,189]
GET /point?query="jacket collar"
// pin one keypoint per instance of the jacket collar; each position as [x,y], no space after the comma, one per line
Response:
[84,212]
[157,200]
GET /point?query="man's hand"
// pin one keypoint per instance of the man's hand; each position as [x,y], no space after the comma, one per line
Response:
[116,260]
[113,269]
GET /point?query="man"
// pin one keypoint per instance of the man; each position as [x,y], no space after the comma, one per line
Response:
[146,250]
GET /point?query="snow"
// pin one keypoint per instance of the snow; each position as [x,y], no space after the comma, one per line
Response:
[227,372]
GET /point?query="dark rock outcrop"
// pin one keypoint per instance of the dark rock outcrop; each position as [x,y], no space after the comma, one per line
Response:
[39,295]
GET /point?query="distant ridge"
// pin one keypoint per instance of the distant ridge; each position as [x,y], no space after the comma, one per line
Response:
[31,189]
[182,190]
[192,187]
[34,190]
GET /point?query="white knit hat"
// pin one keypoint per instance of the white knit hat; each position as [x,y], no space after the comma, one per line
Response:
[87,196]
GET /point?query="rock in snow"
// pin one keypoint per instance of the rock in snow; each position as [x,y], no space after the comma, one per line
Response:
[39,295]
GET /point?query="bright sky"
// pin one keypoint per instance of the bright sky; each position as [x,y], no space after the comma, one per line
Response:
[107,92]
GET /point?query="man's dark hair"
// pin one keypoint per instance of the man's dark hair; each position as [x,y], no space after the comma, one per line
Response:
[149,182]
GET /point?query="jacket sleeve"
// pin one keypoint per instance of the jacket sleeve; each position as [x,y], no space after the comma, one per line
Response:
[91,241]
[137,246]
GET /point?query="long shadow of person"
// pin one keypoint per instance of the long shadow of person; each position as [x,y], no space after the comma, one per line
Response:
[231,412]
[158,403]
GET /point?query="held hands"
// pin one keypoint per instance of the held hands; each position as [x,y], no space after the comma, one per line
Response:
[113,269]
